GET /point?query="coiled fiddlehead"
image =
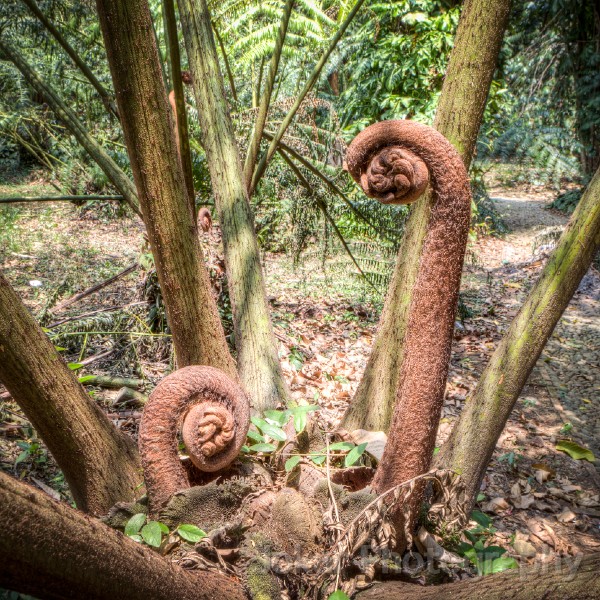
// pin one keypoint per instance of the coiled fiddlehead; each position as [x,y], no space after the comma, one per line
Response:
[213,414]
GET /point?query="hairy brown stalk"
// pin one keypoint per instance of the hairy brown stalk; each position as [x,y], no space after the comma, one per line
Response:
[204,219]
[390,160]
[213,414]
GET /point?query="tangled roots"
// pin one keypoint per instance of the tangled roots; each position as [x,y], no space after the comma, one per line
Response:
[213,414]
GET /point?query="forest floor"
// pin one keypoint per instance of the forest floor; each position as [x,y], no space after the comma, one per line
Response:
[542,501]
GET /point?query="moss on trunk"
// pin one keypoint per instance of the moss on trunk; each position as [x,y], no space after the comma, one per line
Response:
[258,363]
[100,463]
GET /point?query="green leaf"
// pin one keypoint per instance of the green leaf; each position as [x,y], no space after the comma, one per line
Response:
[575,451]
[59,348]
[254,435]
[191,533]
[341,446]
[86,378]
[338,595]
[354,454]
[504,563]
[274,432]
[299,413]
[245,449]
[135,524]
[74,366]
[23,456]
[318,459]
[136,538]
[262,448]
[152,534]
[291,463]
[260,423]
[481,518]
[278,417]
[163,527]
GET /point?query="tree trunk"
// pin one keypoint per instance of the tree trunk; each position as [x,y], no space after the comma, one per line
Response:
[179,112]
[52,551]
[142,100]
[571,577]
[100,463]
[110,168]
[473,439]
[258,362]
[458,118]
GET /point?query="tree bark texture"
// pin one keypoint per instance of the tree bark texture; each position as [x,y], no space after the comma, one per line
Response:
[473,439]
[110,168]
[458,118]
[100,464]
[258,362]
[394,161]
[52,551]
[192,313]
[572,578]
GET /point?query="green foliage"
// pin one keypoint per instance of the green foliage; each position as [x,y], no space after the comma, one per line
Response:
[486,559]
[191,533]
[396,59]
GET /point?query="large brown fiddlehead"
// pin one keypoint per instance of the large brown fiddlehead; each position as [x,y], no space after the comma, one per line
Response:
[213,414]
[391,160]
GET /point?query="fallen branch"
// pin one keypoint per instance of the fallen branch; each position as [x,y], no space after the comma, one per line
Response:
[12,199]
[128,396]
[62,305]
[106,381]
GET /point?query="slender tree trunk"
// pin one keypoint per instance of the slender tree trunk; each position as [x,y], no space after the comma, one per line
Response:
[572,577]
[110,168]
[100,463]
[142,100]
[180,114]
[106,97]
[458,118]
[52,551]
[473,439]
[258,363]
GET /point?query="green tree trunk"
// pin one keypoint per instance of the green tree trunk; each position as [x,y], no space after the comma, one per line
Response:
[473,439]
[52,551]
[258,363]
[142,100]
[110,168]
[458,118]
[100,464]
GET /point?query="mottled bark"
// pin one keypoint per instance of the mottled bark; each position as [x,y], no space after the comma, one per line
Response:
[473,439]
[142,100]
[258,363]
[110,168]
[100,463]
[213,414]
[51,551]
[458,118]
[393,161]
[570,577]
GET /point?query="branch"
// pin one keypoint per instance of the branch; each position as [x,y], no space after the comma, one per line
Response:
[263,108]
[107,99]
[312,79]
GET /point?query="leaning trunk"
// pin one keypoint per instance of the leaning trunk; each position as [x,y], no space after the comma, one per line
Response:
[473,439]
[258,363]
[110,168]
[458,118]
[571,577]
[52,551]
[142,100]
[100,463]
